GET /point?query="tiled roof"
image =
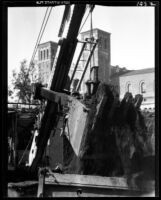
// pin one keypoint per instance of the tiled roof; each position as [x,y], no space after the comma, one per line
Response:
[141,71]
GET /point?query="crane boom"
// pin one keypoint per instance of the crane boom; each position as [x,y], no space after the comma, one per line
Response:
[59,80]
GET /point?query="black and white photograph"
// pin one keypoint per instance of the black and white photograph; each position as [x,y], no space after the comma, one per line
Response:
[81,99]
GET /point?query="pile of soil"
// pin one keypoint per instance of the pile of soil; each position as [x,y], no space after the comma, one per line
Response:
[118,139]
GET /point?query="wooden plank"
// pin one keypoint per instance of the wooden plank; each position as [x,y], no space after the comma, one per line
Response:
[95,181]
[54,96]
[76,122]
[77,191]
[77,116]
[40,191]
[87,180]
[23,184]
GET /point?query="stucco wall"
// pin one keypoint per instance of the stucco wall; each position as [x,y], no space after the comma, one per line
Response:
[135,81]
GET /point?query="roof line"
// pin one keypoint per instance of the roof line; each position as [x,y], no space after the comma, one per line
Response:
[94,30]
[47,42]
[141,71]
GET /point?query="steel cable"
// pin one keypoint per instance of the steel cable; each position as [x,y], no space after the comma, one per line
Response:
[34,52]
[38,42]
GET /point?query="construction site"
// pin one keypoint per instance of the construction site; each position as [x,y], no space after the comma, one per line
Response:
[81,139]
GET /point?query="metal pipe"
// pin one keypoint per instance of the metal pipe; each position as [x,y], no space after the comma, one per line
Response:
[84,44]
[85,69]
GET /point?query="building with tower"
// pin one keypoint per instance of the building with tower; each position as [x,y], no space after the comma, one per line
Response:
[123,80]
[46,55]
[100,58]
[114,75]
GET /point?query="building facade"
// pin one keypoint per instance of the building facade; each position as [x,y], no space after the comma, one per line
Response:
[116,72]
[123,80]
[101,56]
[139,82]
[46,55]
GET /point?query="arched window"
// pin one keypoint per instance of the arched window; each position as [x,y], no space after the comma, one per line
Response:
[44,54]
[40,55]
[100,42]
[128,87]
[105,43]
[142,87]
[47,53]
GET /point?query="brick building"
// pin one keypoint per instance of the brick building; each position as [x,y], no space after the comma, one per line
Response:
[120,78]
[46,55]
[101,57]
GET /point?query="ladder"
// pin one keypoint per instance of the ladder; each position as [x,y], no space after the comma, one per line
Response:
[94,44]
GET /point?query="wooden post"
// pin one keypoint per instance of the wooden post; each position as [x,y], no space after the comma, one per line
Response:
[40,192]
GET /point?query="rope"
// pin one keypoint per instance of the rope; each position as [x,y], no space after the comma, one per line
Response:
[25,149]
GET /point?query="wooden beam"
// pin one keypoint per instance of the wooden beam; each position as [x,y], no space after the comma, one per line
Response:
[116,183]
[76,123]
[53,96]
[40,191]
[87,180]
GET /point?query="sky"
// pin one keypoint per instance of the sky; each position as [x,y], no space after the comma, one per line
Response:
[131,28]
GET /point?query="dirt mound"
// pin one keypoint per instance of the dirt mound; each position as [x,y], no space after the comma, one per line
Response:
[118,139]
